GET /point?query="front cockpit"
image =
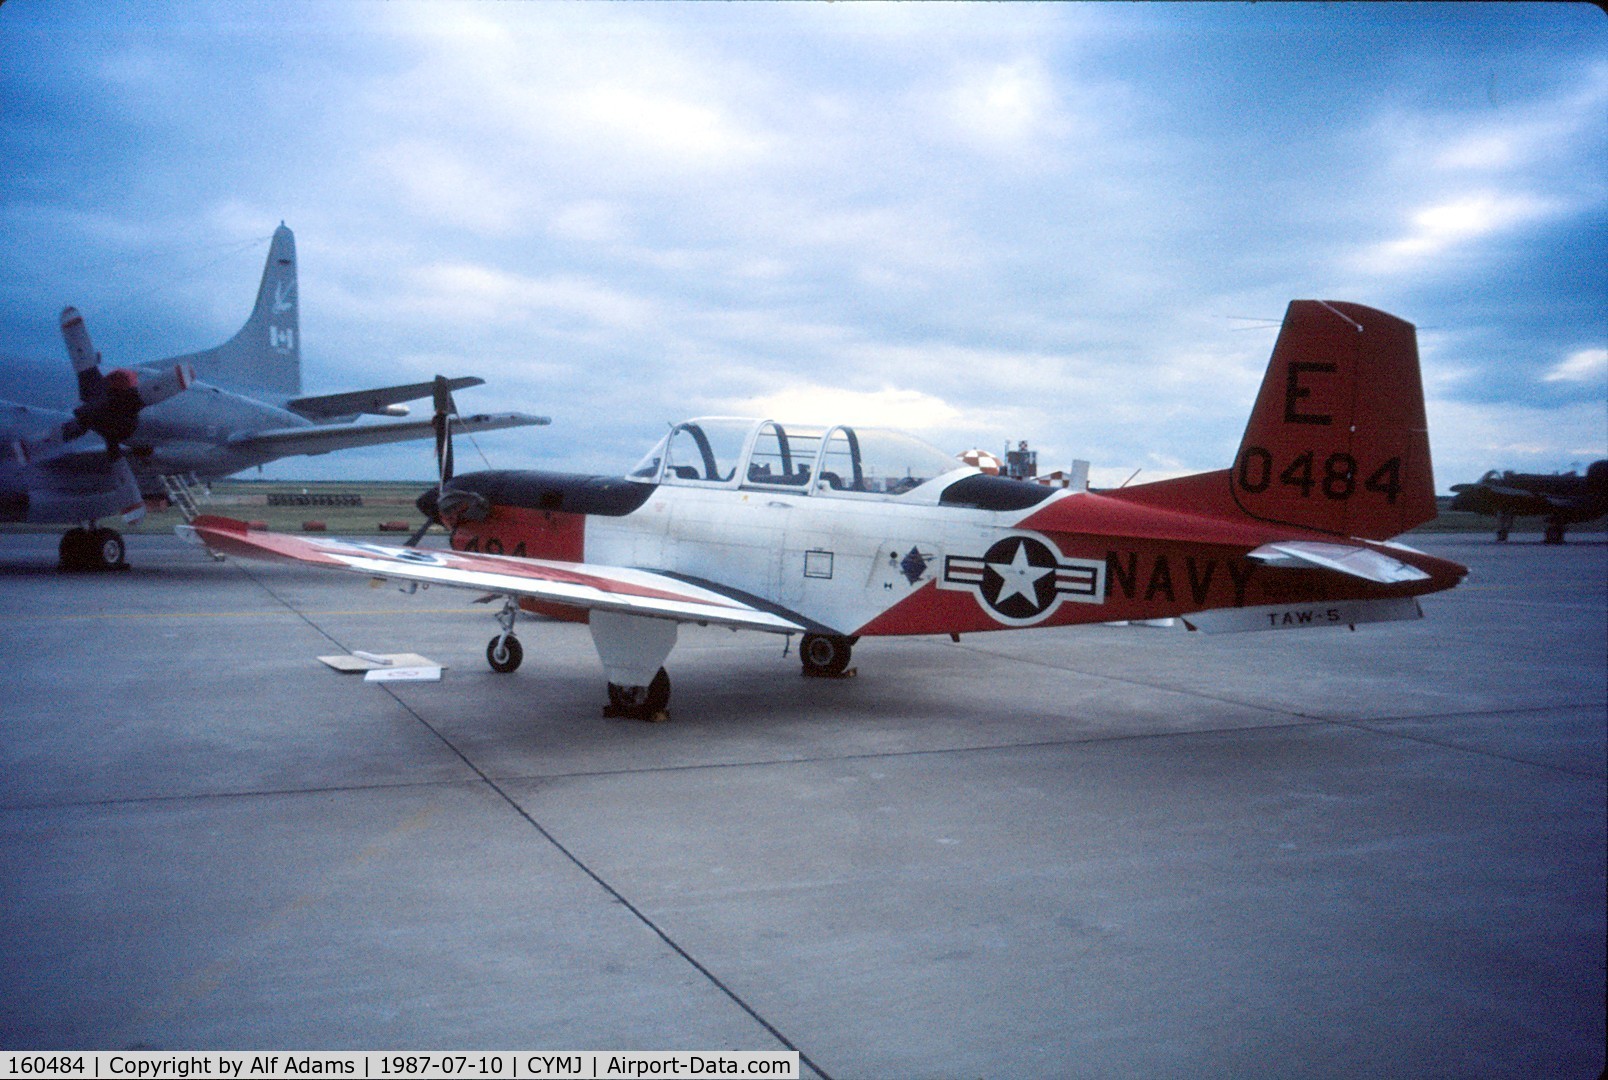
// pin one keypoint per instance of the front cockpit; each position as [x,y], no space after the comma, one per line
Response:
[852,462]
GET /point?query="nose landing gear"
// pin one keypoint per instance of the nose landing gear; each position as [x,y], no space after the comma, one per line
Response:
[504,652]
[826,656]
[648,702]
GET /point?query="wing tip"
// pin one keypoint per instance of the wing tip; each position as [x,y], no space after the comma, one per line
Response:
[218,523]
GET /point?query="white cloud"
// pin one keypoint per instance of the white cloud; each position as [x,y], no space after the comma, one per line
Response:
[910,410]
[1003,105]
[440,184]
[469,292]
[1442,227]
[642,119]
[1586,365]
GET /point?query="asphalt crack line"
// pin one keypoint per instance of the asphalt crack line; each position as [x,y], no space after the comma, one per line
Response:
[640,915]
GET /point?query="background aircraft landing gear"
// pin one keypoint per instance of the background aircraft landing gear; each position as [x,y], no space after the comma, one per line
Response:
[640,702]
[826,656]
[504,653]
[92,549]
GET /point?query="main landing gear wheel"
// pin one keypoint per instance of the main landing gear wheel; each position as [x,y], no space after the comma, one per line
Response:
[92,549]
[640,702]
[504,653]
[825,656]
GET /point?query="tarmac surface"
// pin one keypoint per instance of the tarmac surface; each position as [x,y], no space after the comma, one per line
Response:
[1095,851]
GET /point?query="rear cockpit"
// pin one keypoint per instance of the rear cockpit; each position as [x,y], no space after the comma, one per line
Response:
[851,462]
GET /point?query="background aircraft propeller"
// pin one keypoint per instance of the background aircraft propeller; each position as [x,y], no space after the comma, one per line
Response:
[108,405]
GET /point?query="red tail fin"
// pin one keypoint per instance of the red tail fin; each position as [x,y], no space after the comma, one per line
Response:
[1337,440]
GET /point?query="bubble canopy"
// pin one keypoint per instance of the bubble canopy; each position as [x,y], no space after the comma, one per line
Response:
[724,451]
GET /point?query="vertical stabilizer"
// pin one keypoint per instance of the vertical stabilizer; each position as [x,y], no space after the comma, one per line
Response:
[266,354]
[1338,440]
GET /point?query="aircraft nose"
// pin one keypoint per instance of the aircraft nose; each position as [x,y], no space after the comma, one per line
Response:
[453,505]
[429,504]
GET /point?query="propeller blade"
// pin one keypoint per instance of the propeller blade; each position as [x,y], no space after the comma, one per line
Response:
[445,409]
[429,503]
[85,360]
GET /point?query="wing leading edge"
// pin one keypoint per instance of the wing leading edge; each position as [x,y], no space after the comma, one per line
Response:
[583,585]
[323,439]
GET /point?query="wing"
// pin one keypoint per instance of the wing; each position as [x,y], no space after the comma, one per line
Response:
[371,401]
[26,423]
[583,585]
[327,437]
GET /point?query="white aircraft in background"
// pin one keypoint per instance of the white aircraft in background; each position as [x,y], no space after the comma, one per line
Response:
[241,406]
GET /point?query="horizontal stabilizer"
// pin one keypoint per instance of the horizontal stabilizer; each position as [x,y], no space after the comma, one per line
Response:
[323,439]
[1304,616]
[1358,562]
[591,586]
[370,401]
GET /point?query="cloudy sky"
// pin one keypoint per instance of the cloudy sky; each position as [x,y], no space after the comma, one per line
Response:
[1072,224]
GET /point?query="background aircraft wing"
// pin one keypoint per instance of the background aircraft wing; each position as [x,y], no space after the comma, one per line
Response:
[323,439]
[22,423]
[370,401]
[584,585]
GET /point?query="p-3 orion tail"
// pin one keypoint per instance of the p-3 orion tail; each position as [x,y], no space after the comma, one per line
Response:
[1337,441]
[265,355]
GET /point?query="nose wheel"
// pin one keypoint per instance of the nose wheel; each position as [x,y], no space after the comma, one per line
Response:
[826,656]
[504,652]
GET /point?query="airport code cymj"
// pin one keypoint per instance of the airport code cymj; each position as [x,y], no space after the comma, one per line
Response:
[238,1065]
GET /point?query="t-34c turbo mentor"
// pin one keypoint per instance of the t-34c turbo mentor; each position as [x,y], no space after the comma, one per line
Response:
[842,533]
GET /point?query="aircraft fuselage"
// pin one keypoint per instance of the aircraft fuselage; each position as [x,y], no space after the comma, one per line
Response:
[854,567]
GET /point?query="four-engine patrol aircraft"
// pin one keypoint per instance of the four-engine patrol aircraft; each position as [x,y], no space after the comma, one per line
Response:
[244,407]
[846,532]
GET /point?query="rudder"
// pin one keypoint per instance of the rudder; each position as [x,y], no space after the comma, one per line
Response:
[1338,441]
[266,353]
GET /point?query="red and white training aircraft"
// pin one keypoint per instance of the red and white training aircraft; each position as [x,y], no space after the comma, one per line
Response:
[844,533]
